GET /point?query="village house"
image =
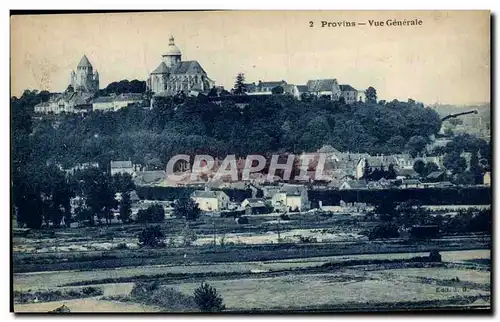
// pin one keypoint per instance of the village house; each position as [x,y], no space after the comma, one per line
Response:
[208,200]
[291,197]
[125,99]
[264,88]
[255,206]
[436,176]
[122,167]
[410,183]
[361,96]
[349,93]
[353,185]
[487,178]
[103,103]
[375,162]
[67,102]
[324,88]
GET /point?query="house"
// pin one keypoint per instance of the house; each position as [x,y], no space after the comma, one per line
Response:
[264,88]
[407,173]
[410,183]
[67,102]
[150,177]
[436,176]
[361,96]
[208,200]
[292,90]
[291,197]
[349,93]
[487,178]
[125,99]
[254,206]
[324,88]
[103,103]
[353,185]
[302,89]
[121,167]
[375,162]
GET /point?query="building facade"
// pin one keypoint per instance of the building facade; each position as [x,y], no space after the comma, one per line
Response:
[349,93]
[173,75]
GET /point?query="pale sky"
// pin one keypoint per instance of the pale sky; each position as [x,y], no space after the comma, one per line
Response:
[445,60]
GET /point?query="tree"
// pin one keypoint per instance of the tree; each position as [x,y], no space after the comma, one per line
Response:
[125,207]
[154,213]
[208,299]
[99,192]
[371,95]
[386,210]
[239,85]
[186,208]
[419,167]
[391,172]
[454,162]
[416,145]
[152,237]
[385,230]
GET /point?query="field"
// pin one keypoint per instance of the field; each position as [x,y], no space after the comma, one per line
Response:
[340,271]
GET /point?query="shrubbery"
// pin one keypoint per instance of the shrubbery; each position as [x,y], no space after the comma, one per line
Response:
[207,299]
[154,213]
[152,237]
[384,230]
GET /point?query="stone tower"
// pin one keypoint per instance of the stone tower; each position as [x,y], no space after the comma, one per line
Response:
[84,80]
[173,54]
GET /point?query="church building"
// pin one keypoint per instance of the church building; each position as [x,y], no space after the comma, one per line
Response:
[174,76]
[84,80]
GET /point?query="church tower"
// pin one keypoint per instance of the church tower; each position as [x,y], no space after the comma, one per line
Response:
[84,79]
[172,55]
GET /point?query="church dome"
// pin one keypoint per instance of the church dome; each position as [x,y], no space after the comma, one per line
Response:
[172,49]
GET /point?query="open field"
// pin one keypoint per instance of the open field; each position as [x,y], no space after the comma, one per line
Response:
[339,271]
[290,284]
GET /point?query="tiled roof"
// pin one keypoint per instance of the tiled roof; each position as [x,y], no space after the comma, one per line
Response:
[103,99]
[84,62]
[161,69]
[356,184]
[292,190]
[152,176]
[121,164]
[271,84]
[347,88]
[129,97]
[302,88]
[435,174]
[256,202]
[206,194]
[187,67]
[408,172]
[321,85]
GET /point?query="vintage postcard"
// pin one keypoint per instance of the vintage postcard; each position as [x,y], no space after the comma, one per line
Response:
[251,161]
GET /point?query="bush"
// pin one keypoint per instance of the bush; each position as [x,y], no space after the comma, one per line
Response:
[186,208]
[434,256]
[154,213]
[243,220]
[152,293]
[284,217]
[207,298]
[152,237]
[386,230]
